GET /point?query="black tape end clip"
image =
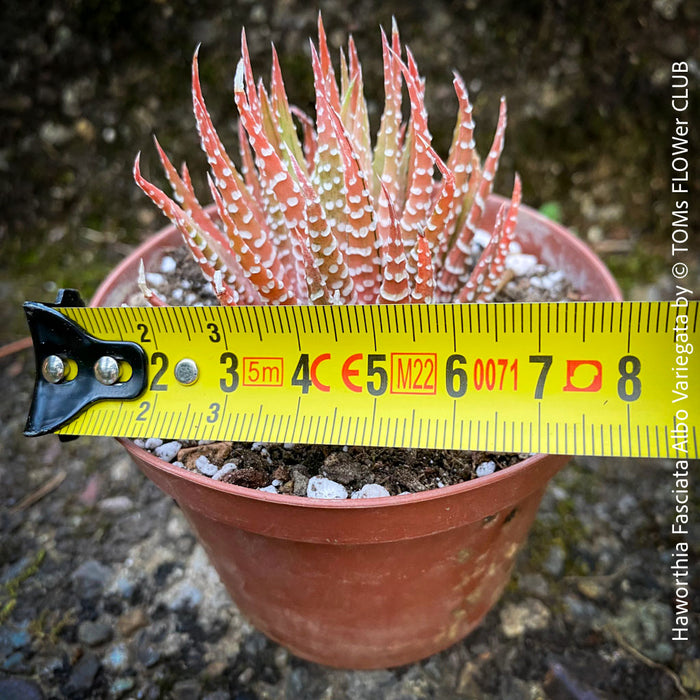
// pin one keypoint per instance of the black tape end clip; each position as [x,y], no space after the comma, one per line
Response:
[74,369]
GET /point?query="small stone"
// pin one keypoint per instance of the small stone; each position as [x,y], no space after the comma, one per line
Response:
[300,483]
[116,504]
[246,676]
[556,558]
[521,264]
[121,686]
[94,633]
[14,663]
[486,468]
[371,491]
[216,452]
[82,675]
[168,264]
[168,450]
[89,578]
[117,658]
[591,588]
[248,477]
[321,487]
[152,443]
[268,489]
[132,620]
[204,466]
[155,279]
[19,689]
[187,690]
[517,618]
[183,596]
[226,469]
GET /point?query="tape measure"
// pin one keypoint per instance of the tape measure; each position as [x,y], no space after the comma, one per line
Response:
[584,378]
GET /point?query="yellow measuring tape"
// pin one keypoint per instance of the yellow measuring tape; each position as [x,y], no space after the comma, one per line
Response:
[593,378]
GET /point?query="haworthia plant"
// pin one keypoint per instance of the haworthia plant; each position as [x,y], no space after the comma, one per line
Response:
[315,215]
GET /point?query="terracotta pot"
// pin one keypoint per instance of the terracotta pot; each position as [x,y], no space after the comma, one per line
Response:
[379,582]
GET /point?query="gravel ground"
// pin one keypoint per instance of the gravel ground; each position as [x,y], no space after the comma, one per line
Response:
[103,590]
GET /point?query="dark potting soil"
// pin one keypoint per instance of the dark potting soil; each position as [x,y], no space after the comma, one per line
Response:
[288,468]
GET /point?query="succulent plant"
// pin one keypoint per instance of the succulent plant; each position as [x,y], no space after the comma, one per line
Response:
[315,215]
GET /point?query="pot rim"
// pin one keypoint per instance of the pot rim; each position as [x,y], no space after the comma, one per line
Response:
[530,464]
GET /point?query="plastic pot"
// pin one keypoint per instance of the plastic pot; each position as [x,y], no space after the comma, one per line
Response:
[369,583]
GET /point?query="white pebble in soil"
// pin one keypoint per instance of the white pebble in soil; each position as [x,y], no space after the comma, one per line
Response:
[204,466]
[168,450]
[521,264]
[226,469]
[152,443]
[486,468]
[371,491]
[268,489]
[168,265]
[321,487]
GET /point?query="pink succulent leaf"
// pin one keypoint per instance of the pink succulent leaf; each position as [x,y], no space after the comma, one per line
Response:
[240,203]
[460,157]
[489,170]
[361,228]
[249,78]
[196,239]
[394,287]
[504,234]
[455,273]
[248,169]
[310,139]
[271,288]
[412,68]
[327,256]
[420,174]
[327,177]
[389,140]
[478,280]
[279,188]
[184,194]
[440,222]
[282,111]
[185,176]
[327,67]
[421,259]
[148,294]
[228,180]
[268,120]
[317,291]
[359,115]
